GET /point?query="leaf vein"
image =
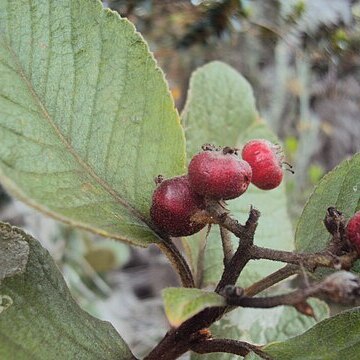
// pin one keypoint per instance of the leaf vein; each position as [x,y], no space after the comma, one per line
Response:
[83,164]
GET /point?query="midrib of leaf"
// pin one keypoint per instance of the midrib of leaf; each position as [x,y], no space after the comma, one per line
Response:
[86,167]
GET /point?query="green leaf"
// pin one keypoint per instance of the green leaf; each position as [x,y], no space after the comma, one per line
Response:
[220,104]
[86,117]
[339,188]
[38,317]
[183,303]
[332,339]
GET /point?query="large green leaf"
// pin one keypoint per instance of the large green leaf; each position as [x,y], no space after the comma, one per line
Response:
[38,317]
[86,118]
[339,188]
[183,303]
[332,339]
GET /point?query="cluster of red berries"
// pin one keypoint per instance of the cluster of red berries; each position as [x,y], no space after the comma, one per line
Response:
[215,173]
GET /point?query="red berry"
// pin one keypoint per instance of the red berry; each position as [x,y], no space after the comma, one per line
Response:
[173,205]
[353,230]
[219,173]
[265,162]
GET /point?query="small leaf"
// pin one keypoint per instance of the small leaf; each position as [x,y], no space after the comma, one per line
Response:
[40,320]
[339,188]
[86,117]
[106,255]
[182,303]
[332,339]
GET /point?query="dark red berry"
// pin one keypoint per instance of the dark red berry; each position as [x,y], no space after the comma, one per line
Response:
[219,173]
[353,230]
[173,206]
[266,163]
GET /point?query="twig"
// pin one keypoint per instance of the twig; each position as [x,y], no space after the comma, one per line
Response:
[201,259]
[178,262]
[272,279]
[226,244]
[309,261]
[342,287]
[243,253]
[292,298]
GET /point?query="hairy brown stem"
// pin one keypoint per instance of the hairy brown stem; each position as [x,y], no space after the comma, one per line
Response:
[178,262]
[293,298]
[243,253]
[341,287]
[309,261]
[201,259]
[226,244]
[227,346]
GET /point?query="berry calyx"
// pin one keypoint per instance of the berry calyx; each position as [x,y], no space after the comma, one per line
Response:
[219,173]
[353,231]
[173,206]
[266,162]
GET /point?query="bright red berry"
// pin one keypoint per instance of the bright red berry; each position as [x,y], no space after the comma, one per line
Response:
[353,230]
[219,173]
[173,206]
[265,162]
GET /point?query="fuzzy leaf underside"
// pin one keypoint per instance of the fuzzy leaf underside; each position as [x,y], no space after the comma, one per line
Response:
[86,117]
[38,317]
[220,104]
[339,188]
[332,339]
